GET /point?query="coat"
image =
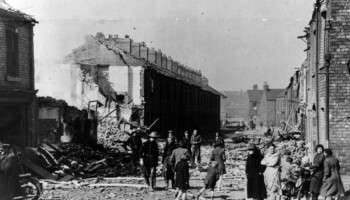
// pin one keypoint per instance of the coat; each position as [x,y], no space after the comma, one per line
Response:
[178,154]
[187,143]
[196,140]
[135,144]
[218,155]
[211,178]
[332,184]
[182,174]
[168,150]
[255,179]
[317,173]
[272,173]
[149,153]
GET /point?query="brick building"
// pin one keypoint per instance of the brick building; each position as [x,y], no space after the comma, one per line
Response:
[236,105]
[271,106]
[254,97]
[327,78]
[17,93]
[266,106]
[150,84]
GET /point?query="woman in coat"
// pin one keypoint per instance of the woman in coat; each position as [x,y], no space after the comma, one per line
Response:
[254,171]
[218,155]
[332,184]
[272,173]
[317,172]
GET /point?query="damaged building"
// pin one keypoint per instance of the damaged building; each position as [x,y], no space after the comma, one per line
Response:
[127,81]
[17,93]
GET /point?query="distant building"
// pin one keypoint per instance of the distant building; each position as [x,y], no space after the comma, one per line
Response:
[236,105]
[266,106]
[17,92]
[254,97]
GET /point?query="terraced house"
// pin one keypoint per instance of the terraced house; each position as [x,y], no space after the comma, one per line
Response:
[17,92]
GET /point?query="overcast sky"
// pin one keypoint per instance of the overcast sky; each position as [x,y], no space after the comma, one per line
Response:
[235,43]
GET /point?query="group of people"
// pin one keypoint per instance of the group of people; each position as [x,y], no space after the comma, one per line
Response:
[266,172]
[178,156]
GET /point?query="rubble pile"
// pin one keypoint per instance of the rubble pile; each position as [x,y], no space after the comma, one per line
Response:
[74,161]
[110,135]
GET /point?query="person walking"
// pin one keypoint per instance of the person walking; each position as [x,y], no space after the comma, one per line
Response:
[254,172]
[187,141]
[135,144]
[210,180]
[272,172]
[168,168]
[196,141]
[149,159]
[218,155]
[332,185]
[218,139]
[182,177]
[178,154]
[317,172]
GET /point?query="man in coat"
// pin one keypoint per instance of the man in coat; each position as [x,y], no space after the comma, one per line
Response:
[196,142]
[149,159]
[187,141]
[168,168]
[317,172]
[135,144]
[178,154]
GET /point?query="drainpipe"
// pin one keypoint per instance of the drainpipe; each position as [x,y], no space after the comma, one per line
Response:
[317,6]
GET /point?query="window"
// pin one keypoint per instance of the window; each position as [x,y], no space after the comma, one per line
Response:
[12,51]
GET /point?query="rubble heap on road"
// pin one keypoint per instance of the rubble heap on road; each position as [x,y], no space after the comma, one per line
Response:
[74,161]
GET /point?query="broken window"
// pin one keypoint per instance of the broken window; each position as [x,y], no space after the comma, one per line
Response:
[12,50]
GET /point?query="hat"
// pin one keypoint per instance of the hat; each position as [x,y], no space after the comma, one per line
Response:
[153,134]
[251,146]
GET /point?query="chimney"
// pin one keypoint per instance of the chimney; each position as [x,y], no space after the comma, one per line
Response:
[100,36]
[266,86]
[255,87]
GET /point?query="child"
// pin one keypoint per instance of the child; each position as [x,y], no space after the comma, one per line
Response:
[211,179]
[182,176]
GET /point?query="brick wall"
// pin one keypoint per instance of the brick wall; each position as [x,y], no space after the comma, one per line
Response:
[26,78]
[339,80]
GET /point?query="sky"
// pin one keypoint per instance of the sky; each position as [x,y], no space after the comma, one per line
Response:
[235,43]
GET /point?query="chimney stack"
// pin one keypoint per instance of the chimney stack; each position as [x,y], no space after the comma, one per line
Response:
[255,87]
[266,86]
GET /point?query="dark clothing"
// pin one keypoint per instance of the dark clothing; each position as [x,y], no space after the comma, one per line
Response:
[196,154]
[168,150]
[317,174]
[178,154]
[219,140]
[149,153]
[255,179]
[135,143]
[9,172]
[218,155]
[168,169]
[211,178]
[150,172]
[182,175]
[332,183]
[196,142]
[187,143]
